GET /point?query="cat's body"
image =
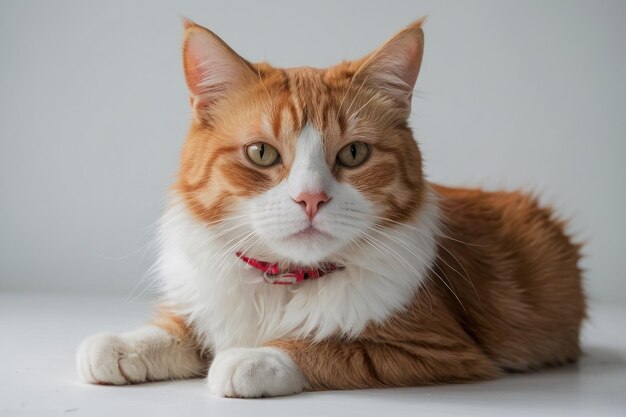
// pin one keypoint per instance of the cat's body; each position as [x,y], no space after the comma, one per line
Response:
[433,284]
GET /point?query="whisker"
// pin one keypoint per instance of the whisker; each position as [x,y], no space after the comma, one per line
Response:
[357,93]
[356,113]
[431,269]
[416,229]
[466,277]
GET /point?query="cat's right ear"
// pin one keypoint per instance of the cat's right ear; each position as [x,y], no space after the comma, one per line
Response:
[212,68]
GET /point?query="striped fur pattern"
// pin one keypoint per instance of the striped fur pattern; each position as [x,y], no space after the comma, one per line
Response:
[437,284]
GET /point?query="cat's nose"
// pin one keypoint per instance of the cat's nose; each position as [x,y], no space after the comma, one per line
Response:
[311,202]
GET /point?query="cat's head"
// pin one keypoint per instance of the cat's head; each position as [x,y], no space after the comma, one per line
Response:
[300,163]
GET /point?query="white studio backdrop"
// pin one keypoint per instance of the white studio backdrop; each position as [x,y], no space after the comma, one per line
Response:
[94,110]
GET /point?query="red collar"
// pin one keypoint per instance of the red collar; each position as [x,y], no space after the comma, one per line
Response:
[273,274]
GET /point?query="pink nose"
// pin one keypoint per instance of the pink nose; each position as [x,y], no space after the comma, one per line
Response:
[311,202]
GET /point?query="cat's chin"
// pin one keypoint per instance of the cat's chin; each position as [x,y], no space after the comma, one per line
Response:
[308,247]
[308,235]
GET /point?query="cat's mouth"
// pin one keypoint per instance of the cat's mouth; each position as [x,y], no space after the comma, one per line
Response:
[309,233]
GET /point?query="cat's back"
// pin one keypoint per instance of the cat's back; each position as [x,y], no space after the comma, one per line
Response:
[515,273]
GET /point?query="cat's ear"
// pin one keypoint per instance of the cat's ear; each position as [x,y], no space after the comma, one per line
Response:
[393,68]
[212,68]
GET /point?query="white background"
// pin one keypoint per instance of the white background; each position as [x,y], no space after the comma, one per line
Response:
[93,111]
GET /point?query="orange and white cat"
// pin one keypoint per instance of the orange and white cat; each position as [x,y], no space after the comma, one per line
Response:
[303,249]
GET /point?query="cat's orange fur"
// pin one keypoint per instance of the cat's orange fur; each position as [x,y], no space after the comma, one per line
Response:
[505,291]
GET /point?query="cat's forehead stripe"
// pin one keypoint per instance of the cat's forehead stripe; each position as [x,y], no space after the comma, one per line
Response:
[304,97]
[284,114]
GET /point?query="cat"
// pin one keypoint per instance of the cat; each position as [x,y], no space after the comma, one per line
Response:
[303,249]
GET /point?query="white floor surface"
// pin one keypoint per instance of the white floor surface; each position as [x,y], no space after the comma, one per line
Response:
[39,335]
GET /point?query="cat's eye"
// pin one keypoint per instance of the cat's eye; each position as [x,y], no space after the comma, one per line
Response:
[262,154]
[353,154]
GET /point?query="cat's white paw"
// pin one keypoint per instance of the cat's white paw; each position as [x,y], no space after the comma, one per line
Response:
[107,359]
[254,372]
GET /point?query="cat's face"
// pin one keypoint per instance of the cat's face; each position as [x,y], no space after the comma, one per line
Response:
[300,163]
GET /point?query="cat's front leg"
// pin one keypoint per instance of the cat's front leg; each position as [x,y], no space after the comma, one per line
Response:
[162,350]
[255,372]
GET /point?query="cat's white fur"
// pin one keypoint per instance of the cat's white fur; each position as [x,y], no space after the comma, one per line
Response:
[254,372]
[148,353]
[234,312]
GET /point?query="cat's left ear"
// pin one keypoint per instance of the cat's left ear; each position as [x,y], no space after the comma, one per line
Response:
[393,68]
[212,68]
